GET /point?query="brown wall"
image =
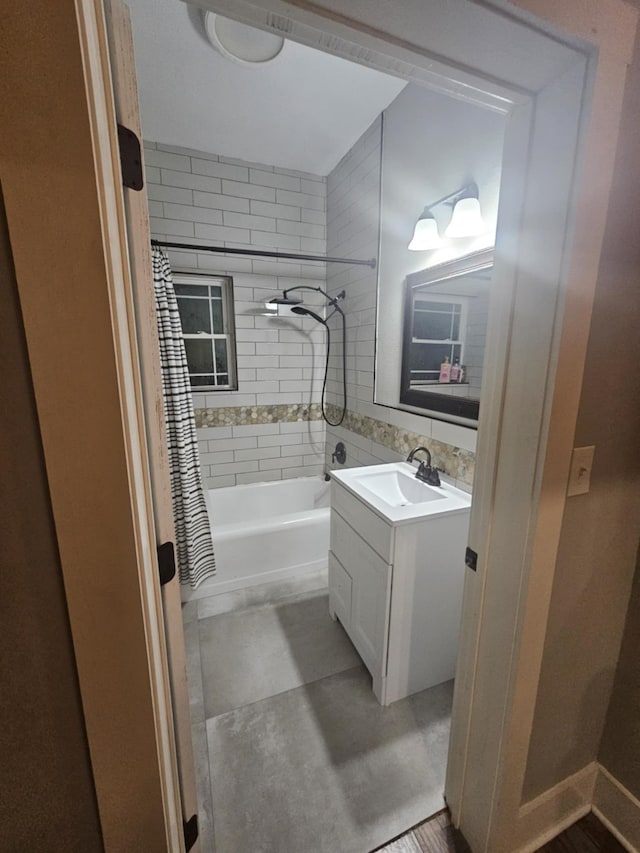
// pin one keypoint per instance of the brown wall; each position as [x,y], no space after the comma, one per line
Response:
[600,531]
[620,747]
[47,798]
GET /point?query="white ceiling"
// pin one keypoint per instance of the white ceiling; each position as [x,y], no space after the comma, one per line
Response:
[302,111]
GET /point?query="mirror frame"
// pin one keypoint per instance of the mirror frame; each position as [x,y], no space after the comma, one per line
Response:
[439,404]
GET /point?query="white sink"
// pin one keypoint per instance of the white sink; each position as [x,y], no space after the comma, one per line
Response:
[393,491]
[399,488]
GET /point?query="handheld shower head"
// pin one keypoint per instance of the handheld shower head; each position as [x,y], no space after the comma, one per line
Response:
[305,312]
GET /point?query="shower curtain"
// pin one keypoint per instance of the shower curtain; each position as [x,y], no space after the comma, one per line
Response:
[194,547]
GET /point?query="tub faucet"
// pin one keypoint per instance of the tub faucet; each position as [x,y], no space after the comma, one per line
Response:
[425,472]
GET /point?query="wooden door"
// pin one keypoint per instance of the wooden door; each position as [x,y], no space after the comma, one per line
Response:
[123,73]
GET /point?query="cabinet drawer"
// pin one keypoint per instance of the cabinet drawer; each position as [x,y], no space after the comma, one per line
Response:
[376,532]
[339,590]
[351,549]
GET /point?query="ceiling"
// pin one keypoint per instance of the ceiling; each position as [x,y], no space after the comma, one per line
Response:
[302,111]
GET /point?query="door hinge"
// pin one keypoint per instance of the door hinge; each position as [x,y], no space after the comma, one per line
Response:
[166,562]
[190,828]
[471,560]
[130,158]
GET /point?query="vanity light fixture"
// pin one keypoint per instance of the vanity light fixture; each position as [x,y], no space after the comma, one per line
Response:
[466,220]
[425,234]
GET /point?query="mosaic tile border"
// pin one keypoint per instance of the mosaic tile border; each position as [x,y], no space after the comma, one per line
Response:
[244,415]
[456,462]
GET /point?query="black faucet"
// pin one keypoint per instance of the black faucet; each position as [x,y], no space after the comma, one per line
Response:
[425,472]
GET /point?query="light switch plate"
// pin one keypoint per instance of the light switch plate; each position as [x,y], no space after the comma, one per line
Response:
[581,465]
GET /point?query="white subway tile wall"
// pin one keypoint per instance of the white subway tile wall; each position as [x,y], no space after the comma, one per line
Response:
[253,453]
[477,320]
[203,198]
[353,199]
[206,198]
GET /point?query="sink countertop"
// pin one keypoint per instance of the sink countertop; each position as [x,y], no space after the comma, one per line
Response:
[376,486]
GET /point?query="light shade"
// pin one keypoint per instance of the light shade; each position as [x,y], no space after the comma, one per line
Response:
[240,42]
[425,234]
[466,219]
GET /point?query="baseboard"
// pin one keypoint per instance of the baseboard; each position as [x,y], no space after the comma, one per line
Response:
[618,810]
[591,789]
[549,814]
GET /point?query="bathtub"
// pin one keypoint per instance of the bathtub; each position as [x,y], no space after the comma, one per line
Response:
[266,532]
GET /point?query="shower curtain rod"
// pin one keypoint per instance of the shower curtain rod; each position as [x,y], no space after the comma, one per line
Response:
[265,254]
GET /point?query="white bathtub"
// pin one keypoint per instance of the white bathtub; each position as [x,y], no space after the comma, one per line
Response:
[266,532]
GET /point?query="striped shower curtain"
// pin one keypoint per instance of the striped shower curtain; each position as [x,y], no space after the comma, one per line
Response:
[193,533]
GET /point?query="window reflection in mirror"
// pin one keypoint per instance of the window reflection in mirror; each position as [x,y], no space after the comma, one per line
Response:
[445,326]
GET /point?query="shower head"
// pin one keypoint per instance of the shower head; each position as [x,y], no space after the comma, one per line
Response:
[285,300]
[305,312]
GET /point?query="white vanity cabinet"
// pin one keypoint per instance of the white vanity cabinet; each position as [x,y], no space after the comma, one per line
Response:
[359,593]
[396,587]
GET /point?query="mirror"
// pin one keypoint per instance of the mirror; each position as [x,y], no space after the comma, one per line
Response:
[445,326]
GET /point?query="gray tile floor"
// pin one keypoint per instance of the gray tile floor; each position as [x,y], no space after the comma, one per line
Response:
[293,752]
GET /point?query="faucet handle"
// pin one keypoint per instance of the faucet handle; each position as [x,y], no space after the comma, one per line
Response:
[423,472]
[433,478]
[428,474]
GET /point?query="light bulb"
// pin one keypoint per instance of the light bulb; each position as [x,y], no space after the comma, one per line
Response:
[466,219]
[425,234]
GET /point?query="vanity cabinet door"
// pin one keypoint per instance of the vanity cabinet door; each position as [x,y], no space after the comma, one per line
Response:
[370,614]
[370,588]
[339,591]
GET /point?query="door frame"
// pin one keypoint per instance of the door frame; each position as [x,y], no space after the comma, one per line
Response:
[561,132]
[542,470]
[142,410]
[139,284]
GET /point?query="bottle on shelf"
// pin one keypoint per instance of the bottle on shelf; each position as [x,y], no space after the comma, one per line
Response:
[455,371]
[445,371]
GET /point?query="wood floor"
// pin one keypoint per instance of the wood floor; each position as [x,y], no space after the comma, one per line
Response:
[436,835]
[586,836]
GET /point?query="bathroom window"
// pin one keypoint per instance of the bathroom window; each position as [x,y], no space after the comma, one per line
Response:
[437,334]
[205,304]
